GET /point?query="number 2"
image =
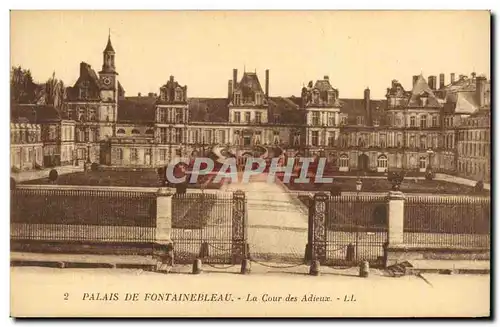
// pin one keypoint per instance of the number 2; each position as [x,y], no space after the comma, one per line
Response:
[66,295]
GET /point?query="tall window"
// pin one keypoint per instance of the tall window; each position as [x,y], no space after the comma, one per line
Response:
[84,90]
[314,138]
[162,115]
[344,161]
[315,118]
[412,121]
[163,135]
[423,121]
[296,139]
[331,119]
[237,117]
[163,154]
[237,99]
[222,137]
[134,154]
[423,142]
[258,117]
[178,115]
[382,161]
[247,117]
[178,135]
[331,138]
[343,120]
[422,163]
[360,120]
[276,137]
[434,121]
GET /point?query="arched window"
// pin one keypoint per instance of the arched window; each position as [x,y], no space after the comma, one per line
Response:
[120,131]
[135,131]
[423,162]
[344,161]
[382,161]
[81,118]
[92,117]
[119,154]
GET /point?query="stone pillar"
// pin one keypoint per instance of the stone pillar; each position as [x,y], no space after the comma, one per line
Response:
[164,215]
[395,212]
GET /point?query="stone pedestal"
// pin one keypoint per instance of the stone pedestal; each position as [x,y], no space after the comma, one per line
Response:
[395,210]
[164,215]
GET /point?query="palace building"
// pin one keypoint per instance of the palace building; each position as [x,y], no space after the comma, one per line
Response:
[444,127]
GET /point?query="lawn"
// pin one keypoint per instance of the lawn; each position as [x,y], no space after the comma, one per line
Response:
[383,185]
[144,178]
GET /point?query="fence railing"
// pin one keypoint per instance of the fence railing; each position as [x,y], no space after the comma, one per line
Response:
[78,215]
[447,221]
[202,227]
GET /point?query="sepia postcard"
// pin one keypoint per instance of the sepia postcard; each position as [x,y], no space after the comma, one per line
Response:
[250,164]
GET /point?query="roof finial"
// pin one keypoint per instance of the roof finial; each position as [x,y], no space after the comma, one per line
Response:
[109,33]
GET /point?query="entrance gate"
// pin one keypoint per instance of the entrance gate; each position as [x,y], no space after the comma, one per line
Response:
[210,227]
[345,230]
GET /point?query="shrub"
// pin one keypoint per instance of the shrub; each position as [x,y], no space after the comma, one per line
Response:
[180,188]
[94,166]
[479,187]
[12,183]
[335,190]
[53,175]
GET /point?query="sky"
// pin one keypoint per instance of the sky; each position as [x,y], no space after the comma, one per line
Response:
[356,49]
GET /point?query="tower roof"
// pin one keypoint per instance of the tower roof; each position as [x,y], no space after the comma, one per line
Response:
[109,47]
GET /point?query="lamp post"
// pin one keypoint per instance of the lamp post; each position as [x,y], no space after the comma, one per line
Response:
[359,186]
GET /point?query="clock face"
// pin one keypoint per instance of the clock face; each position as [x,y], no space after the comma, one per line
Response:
[106,80]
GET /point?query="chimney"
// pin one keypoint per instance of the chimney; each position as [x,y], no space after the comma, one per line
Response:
[452,77]
[368,110]
[235,78]
[473,75]
[441,80]
[326,78]
[151,94]
[267,83]
[432,82]
[139,94]
[83,68]
[171,78]
[481,90]
[229,89]
[415,79]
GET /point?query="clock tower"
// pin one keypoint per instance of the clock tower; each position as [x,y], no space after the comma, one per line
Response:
[108,75]
[109,89]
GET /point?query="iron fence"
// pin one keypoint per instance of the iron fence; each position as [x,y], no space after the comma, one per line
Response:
[82,215]
[202,227]
[356,229]
[447,221]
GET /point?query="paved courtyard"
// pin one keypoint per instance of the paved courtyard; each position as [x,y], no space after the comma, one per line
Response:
[277,225]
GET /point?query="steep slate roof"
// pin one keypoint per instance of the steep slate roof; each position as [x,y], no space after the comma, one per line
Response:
[89,74]
[109,47]
[208,109]
[356,107]
[249,85]
[33,114]
[136,109]
[287,109]
[422,89]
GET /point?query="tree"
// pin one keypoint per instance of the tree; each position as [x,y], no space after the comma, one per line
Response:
[55,92]
[22,87]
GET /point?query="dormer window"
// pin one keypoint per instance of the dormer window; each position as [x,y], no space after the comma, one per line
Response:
[178,94]
[316,97]
[258,98]
[84,90]
[237,99]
